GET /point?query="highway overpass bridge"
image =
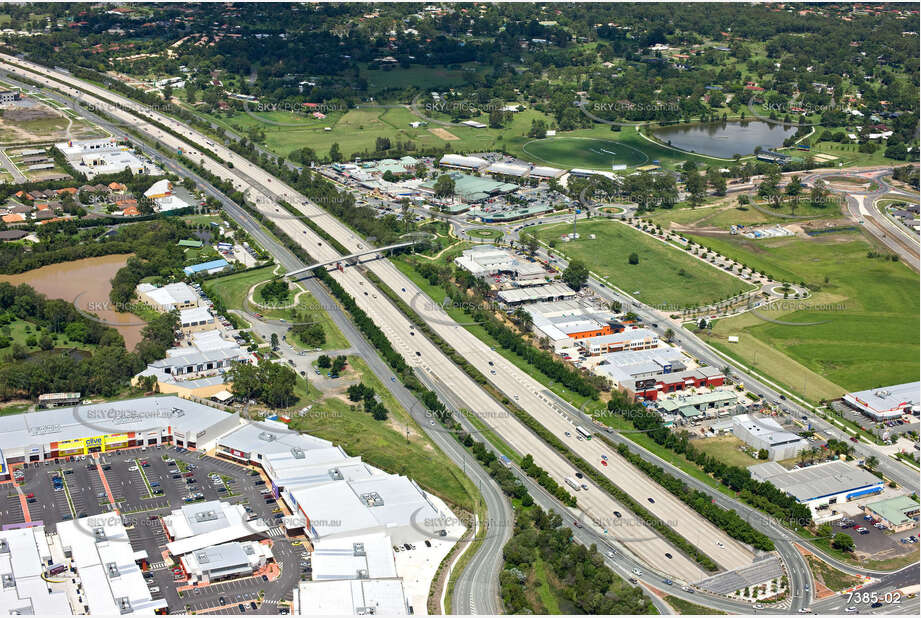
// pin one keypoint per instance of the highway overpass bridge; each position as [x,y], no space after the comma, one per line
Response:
[346,259]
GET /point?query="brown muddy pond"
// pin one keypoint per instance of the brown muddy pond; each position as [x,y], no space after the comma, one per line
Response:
[86,283]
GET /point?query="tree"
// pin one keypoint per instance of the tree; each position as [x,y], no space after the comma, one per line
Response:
[696,186]
[274,341]
[531,244]
[763,454]
[575,275]
[843,542]
[444,186]
[335,155]
[324,362]
[669,335]
[793,190]
[538,129]
[633,259]
[871,462]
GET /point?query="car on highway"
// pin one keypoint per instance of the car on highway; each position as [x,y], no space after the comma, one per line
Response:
[637,572]
[610,554]
[850,610]
[720,544]
[668,555]
[651,501]
[604,463]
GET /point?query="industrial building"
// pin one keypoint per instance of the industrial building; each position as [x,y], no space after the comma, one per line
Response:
[689,408]
[102,427]
[224,561]
[886,403]
[253,443]
[209,268]
[489,261]
[368,556]
[562,323]
[898,514]
[24,553]
[110,580]
[104,156]
[820,486]
[766,433]
[164,299]
[626,340]
[624,367]
[536,293]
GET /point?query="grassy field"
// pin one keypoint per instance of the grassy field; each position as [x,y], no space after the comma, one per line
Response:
[233,289]
[584,152]
[396,445]
[867,309]
[727,212]
[664,275]
[726,449]
[832,578]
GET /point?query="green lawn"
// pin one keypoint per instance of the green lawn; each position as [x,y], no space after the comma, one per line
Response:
[584,152]
[868,309]
[686,607]
[384,443]
[485,232]
[233,289]
[665,276]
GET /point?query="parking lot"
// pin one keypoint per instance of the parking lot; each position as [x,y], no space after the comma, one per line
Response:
[877,544]
[146,483]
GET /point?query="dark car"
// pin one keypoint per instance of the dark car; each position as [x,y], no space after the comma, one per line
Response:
[651,501]
[222,600]
[668,555]
[242,608]
[579,475]
[617,514]
[259,482]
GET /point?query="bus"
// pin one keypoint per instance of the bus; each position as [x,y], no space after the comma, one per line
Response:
[573,483]
[57,568]
[583,433]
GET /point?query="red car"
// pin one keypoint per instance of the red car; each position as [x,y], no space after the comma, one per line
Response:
[604,463]
[30,495]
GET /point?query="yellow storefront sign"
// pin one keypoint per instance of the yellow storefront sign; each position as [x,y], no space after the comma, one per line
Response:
[85,445]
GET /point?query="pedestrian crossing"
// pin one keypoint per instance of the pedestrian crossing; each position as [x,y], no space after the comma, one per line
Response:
[156,566]
[276,531]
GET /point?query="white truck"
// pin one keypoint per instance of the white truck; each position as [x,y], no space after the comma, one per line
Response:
[573,483]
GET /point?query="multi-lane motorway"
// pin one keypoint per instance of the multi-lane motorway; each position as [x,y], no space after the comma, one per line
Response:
[264,190]
[515,384]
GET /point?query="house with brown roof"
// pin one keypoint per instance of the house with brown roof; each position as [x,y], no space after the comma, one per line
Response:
[14,219]
[131,211]
[117,187]
[70,190]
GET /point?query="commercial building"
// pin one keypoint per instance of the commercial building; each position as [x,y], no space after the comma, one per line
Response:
[102,427]
[773,157]
[164,299]
[628,339]
[199,366]
[897,514]
[209,268]
[488,261]
[52,400]
[463,163]
[225,561]
[254,442]
[887,403]
[195,320]
[761,432]
[368,556]
[350,597]
[111,581]
[820,486]
[471,189]
[24,552]
[381,503]
[195,527]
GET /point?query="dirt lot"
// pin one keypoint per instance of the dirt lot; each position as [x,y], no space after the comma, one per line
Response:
[444,134]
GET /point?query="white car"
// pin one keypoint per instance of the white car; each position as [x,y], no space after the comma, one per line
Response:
[850,609]
[133,469]
[720,544]
[637,572]
[610,554]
